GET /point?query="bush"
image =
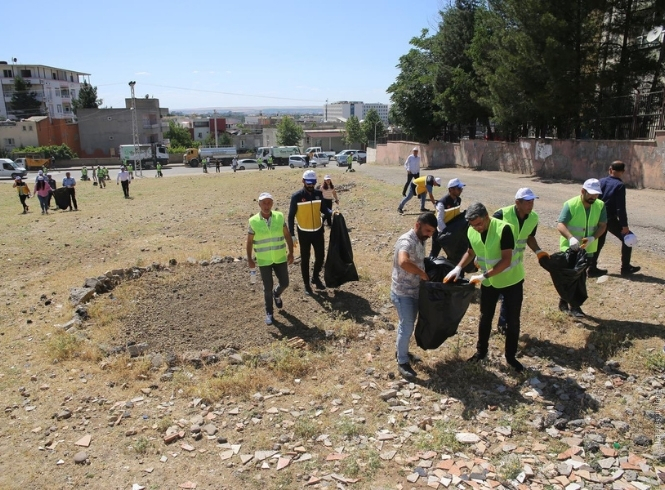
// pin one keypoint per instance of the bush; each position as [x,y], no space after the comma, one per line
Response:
[60,152]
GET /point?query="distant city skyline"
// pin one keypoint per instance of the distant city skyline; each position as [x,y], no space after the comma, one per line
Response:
[225,54]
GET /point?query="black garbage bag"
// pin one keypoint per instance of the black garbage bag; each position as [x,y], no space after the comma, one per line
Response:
[339,261]
[61,196]
[568,271]
[454,242]
[441,306]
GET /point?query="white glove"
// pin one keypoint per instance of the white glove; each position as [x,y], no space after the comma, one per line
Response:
[476,279]
[453,275]
[574,243]
[588,241]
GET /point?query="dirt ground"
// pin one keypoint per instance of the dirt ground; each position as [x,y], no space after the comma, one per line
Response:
[328,386]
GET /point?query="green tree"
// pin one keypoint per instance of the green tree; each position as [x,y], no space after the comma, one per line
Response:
[353,132]
[289,133]
[24,102]
[87,98]
[372,127]
[412,94]
[179,136]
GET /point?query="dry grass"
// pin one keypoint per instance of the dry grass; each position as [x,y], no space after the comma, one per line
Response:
[202,216]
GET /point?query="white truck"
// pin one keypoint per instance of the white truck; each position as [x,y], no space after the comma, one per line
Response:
[280,154]
[222,154]
[147,155]
[317,149]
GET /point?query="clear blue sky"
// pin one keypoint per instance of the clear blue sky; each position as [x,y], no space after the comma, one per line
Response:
[195,54]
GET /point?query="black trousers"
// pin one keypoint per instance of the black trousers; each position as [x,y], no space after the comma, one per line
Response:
[125,187]
[327,204]
[512,302]
[614,228]
[307,240]
[72,198]
[22,198]
[409,177]
[282,274]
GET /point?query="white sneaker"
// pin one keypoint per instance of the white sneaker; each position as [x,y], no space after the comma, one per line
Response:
[268,319]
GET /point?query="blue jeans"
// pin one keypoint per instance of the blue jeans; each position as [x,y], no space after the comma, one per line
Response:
[411,193]
[407,309]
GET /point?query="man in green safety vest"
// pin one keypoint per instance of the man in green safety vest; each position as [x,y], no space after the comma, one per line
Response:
[268,236]
[582,221]
[84,173]
[270,165]
[525,223]
[492,242]
[159,170]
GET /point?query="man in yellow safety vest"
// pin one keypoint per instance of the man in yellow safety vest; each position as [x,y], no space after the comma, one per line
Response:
[269,238]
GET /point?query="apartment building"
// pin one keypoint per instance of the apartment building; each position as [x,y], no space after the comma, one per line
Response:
[56,89]
[342,110]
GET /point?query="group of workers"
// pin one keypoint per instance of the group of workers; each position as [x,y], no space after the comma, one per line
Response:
[496,243]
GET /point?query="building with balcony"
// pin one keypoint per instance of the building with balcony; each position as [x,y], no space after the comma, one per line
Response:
[56,89]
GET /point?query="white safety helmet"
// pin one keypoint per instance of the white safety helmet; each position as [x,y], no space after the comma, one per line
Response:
[630,239]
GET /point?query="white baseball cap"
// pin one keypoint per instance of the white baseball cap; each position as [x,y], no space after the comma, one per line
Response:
[415,149]
[309,175]
[455,183]
[592,186]
[437,181]
[265,195]
[630,239]
[525,194]
[327,177]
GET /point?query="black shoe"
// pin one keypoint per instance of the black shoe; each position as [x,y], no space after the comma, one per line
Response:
[596,272]
[400,210]
[631,269]
[406,370]
[278,301]
[516,365]
[563,306]
[477,357]
[424,210]
[577,312]
[501,328]
[308,290]
[319,285]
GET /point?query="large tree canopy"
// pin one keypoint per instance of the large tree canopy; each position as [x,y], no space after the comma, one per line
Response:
[289,133]
[24,101]
[87,98]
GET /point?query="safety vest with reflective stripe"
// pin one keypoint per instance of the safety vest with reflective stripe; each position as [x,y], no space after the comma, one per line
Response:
[308,215]
[489,254]
[269,243]
[520,235]
[581,225]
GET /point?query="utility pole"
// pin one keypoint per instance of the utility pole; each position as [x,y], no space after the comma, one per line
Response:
[135,131]
[326,119]
[214,113]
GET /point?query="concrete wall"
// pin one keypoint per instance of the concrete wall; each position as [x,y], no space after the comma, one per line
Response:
[549,159]
[22,133]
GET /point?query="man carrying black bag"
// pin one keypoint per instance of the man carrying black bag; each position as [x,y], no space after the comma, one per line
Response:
[408,270]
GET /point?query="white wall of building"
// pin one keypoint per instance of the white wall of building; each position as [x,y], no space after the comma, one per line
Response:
[15,135]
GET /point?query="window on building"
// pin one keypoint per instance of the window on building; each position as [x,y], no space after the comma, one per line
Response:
[73,94]
[29,128]
[59,107]
[57,92]
[200,135]
[71,78]
[24,128]
[10,141]
[26,73]
[55,77]
[7,73]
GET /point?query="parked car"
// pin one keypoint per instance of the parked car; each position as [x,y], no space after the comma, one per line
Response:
[319,159]
[8,169]
[250,164]
[298,161]
[342,156]
[360,156]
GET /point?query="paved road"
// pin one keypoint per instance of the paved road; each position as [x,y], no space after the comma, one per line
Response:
[646,208]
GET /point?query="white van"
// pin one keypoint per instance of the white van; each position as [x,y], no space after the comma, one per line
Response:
[9,170]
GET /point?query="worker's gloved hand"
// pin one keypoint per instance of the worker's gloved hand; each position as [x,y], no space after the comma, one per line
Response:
[574,243]
[541,254]
[476,279]
[588,241]
[453,275]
